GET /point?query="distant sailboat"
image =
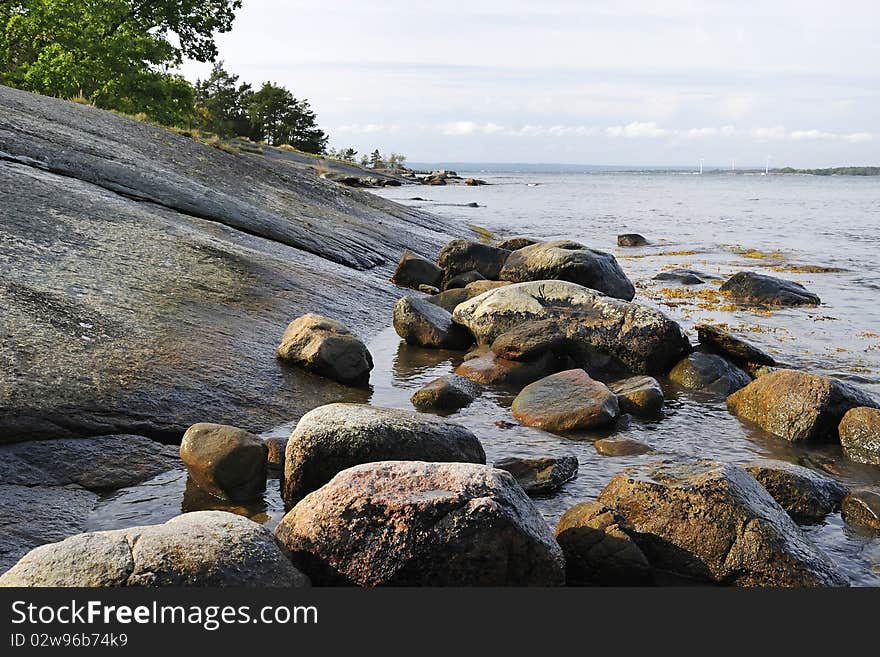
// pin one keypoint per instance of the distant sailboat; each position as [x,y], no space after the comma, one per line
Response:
[701,166]
[766,167]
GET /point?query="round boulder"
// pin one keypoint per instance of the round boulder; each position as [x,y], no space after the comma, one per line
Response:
[328,348]
[631,239]
[861,508]
[227,462]
[445,393]
[422,323]
[760,289]
[639,395]
[860,435]
[460,256]
[566,401]
[413,271]
[710,373]
[736,349]
[462,280]
[484,367]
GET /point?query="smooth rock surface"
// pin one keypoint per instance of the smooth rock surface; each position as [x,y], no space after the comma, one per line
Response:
[621,447]
[861,508]
[445,393]
[227,462]
[542,475]
[683,276]
[460,256]
[860,435]
[732,347]
[760,289]
[422,323]
[806,495]
[486,368]
[414,271]
[639,395]
[530,340]
[709,373]
[566,401]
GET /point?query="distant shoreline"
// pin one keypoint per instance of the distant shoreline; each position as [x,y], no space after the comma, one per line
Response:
[551,168]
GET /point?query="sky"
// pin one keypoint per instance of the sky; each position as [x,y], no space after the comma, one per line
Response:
[625,82]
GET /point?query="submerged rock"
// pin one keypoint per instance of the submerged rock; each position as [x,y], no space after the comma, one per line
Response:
[422,323]
[462,280]
[515,243]
[204,548]
[683,276]
[445,393]
[631,239]
[862,508]
[598,551]
[736,349]
[621,447]
[798,406]
[714,522]
[709,372]
[334,437]
[860,435]
[567,401]
[760,289]
[639,395]
[530,340]
[542,475]
[604,333]
[422,524]
[486,368]
[568,261]
[460,256]
[227,462]
[413,271]
[806,495]
[328,348]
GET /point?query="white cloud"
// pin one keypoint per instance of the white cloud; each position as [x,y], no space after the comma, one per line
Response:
[859,137]
[636,130]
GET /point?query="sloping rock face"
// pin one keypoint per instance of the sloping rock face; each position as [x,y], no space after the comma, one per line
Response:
[203,548]
[604,333]
[798,406]
[714,522]
[146,278]
[569,261]
[422,524]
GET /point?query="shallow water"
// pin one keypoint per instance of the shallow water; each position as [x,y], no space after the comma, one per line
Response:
[795,220]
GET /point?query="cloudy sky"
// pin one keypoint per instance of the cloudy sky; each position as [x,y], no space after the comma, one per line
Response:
[626,82]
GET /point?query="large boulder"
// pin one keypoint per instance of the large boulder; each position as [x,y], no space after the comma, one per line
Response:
[542,475]
[422,323]
[603,333]
[713,522]
[413,271]
[422,524]
[709,373]
[598,551]
[334,437]
[328,348]
[861,508]
[204,548]
[736,349]
[798,406]
[485,368]
[806,495]
[225,461]
[515,243]
[760,289]
[463,280]
[639,395]
[860,435]
[449,299]
[568,261]
[566,401]
[530,340]
[460,256]
[445,393]
[631,239]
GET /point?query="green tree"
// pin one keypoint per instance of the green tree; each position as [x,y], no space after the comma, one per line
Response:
[278,118]
[376,161]
[221,103]
[116,53]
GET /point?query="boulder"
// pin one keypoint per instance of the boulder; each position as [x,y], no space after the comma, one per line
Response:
[604,333]
[461,280]
[713,522]
[204,548]
[631,239]
[276,445]
[860,435]
[798,406]
[445,393]
[449,299]
[683,276]
[862,508]
[334,437]
[413,271]
[621,447]
[422,524]
[429,289]
[515,243]
[530,340]
[806,495]
[639,395]
[598,551]
[227,462]
[567,401]
[422,323]
[460,256]
[474,182]
[709,373]
[736,349]
[540,476]
[760,289]
[568,261]
[328,348]
[486,368]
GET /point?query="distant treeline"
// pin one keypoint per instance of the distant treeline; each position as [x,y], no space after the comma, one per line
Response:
[834,171]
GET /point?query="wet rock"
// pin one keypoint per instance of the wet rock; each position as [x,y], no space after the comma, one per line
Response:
[567,401]
[798,406]
[276,446]
[205,548]
[486,368]
[413,271]
[445,393]
[604,333]
[862,508]
[568,261]
[631,239]
[639,395]
[449,299]
[710,373]
[542,475]
[760,289]
[597,551]
[621,447]
[334,437]
[422,323]
[227,462]
[736,349]
[422,524]
[461,280]
[515,243]
[328,348]
[474,182]
[460,256]
[683,276]
[860,435]
[530,340]
[428,289]
[713,522]
[806,495]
